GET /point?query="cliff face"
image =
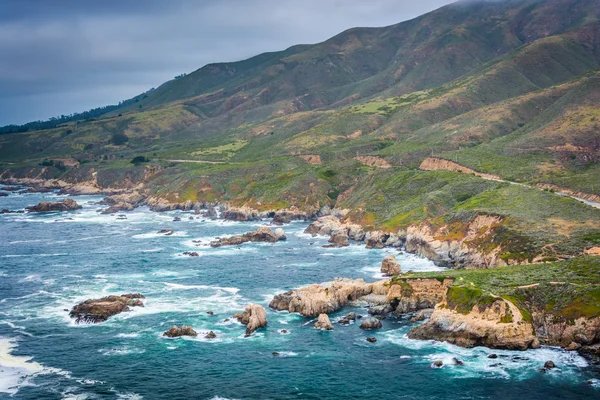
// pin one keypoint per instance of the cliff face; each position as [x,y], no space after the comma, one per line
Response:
[409,295]
[457,249]
[495,323]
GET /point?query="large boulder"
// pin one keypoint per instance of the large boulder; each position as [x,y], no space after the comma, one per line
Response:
[262,234]
[323,322]
[312,300]
[339,238]
[99,310]
[370,324]
[177,331]
[47,206]
[254,317]
[390,267]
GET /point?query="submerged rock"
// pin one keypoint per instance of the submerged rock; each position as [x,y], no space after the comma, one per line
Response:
[254,317]
[390,267]
[166,232]
[323,323]
[371,339]
[437,364]
[3,194]
[370,324]
[47,206]
[99,310]
[191,253]
[263,234]
[177,331]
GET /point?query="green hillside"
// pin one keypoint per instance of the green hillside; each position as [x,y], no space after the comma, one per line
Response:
[506,88]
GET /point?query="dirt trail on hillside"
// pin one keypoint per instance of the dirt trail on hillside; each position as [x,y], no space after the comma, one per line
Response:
[440,164]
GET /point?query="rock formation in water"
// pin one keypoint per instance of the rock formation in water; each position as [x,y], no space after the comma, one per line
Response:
[491,322]
[323,322]
[390,266]
[177,331]
[263,234]
[254,317]
[99,310]
[310,301]
[47,206]
[370,324]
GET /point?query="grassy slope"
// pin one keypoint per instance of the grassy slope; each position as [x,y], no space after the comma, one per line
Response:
[569,289]
[481,84]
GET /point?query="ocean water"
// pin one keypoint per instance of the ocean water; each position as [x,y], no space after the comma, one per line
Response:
[49,262]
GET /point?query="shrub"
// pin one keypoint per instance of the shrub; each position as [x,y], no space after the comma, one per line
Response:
[119,139]
[139,160]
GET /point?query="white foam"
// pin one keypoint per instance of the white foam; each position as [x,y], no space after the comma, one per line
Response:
[176,286]
[151,235]
[128,335]
[15,370]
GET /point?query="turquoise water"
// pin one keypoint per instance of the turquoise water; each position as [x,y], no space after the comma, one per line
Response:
[52,261]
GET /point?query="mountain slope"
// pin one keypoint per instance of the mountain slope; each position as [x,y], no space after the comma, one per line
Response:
[508,88]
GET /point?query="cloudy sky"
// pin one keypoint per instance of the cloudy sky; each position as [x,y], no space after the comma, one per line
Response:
[65,56]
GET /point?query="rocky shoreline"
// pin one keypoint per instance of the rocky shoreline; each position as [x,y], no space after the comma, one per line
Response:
[489,321]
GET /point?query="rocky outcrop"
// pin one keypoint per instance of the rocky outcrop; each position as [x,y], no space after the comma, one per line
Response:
[254,317]
[263,234]
[348,319]
[410,295]
[456,251]
[370,324]
[390,266]
[339,238]
[178,331]
[422,315]
[240,214]
[310,301]
[492,322]
[115,208]
[437,164]
[47,206]
[99,310]
[323,322]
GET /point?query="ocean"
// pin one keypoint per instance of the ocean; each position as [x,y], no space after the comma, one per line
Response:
[50,262]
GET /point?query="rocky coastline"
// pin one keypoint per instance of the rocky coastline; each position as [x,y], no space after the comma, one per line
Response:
[490,321]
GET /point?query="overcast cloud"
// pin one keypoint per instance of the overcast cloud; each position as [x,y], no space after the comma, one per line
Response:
[60,57]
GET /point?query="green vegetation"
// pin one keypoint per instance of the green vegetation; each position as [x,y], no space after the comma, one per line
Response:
[570,289]
[293,128]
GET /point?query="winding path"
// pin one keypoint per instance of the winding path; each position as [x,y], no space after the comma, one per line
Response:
[437,164]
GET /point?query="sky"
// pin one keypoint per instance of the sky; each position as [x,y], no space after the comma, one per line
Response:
[65,56]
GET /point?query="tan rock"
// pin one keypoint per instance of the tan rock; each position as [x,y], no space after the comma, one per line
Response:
[254,317]
[390,266]
[310,301]
[183,330]
[323,323]
[495,325]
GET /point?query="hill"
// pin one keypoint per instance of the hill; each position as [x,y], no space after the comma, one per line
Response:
[503,88]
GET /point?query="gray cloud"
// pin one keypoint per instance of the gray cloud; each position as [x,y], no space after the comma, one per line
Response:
[66,56]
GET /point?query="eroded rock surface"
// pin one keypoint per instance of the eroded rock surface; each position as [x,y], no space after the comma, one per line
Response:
[494,323]
[47,206]
[263,234]
[254,317]
[99,310]
[323,322]
[390,266]
[177,331]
